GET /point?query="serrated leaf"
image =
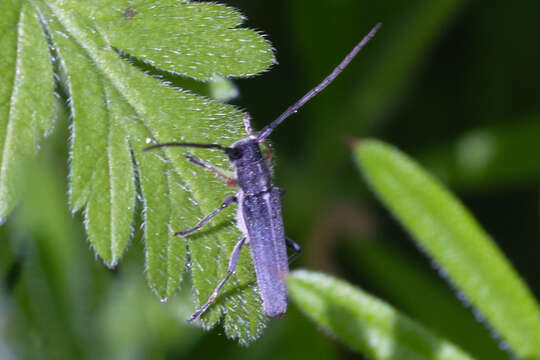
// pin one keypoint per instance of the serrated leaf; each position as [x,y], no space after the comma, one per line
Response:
[365,323]
[26,94]
[442,227]
[193,39]
[111,203]
[118,110]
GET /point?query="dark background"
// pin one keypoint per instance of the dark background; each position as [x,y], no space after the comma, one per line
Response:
[452,83]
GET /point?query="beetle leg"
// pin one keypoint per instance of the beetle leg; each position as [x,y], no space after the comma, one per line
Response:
[192,159]
[295,247]
[232,266]
[228,201]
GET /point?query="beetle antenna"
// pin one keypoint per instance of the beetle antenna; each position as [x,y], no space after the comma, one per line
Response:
[310,94]
[202,146]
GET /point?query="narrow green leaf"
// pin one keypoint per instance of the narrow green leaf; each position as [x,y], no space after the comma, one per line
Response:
[452,237]
[26,94]
[365,323]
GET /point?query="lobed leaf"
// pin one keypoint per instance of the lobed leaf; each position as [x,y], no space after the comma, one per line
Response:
[365,323]
[452,237]
[117,110]
[198,40]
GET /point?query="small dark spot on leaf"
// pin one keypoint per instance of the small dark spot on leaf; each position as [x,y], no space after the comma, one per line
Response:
[130,12]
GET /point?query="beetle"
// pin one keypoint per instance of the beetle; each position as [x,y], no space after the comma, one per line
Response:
[259,203]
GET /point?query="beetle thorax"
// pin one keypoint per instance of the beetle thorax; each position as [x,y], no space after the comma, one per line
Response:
[251,171]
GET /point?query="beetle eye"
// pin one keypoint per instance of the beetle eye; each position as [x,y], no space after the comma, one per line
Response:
[234,153]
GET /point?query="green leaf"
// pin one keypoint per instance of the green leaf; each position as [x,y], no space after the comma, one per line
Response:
[26,94]
[365,323]
[466,255]
[193,39]
[117,110]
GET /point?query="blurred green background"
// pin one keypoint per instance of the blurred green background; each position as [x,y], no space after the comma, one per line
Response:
[452,83]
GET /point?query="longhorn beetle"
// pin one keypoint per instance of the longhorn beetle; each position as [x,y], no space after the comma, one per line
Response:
[259,204]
